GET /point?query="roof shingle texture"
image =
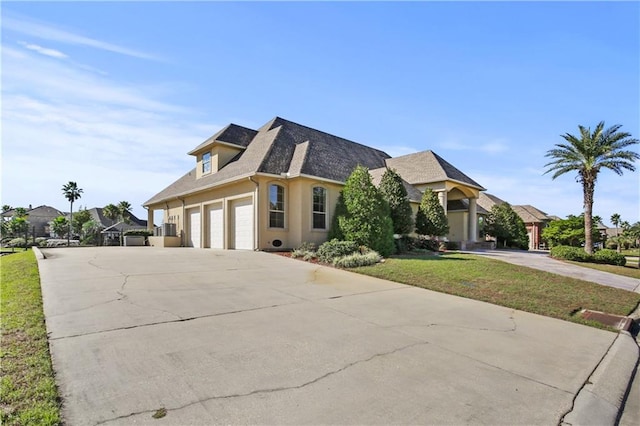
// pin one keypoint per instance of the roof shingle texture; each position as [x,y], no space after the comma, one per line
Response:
[233,134]
[272,150]
[427,167]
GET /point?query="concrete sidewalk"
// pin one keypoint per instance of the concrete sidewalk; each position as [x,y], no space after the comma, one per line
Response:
[233,337]
[541,260]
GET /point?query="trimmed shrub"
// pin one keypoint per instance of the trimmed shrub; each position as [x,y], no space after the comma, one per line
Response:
[576,254]
[451,245]
[357,259]
[16,242]
[419,243]
[307,251]
[336,248]
[610,257]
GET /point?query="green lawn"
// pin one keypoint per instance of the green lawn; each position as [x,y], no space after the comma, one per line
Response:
[28,394]
[631,270]
[505,284]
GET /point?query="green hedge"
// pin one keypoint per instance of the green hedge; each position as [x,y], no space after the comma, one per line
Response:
[610,257]
[577,254]
[140,232]
[336,248]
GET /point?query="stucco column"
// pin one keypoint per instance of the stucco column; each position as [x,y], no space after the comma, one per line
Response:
[150,219]
[442,197]
[473,219]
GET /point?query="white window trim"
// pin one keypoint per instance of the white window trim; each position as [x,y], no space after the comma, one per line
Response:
[284,207]
[326,208]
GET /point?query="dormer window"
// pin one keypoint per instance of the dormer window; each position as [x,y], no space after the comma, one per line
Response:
[206,162]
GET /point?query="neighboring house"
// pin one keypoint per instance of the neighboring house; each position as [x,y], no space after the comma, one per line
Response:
[112,229]
[534,219]
[277,187]
[38,218]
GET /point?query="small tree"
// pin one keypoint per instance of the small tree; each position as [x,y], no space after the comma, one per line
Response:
[366,220]
[395,194]
[91,231]
[79,219]
[633,231]
[569,231]
[507,227]
[431,219]
[341,210]
[60,226]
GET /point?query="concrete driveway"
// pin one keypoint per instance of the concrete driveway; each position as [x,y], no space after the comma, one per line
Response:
[235,337]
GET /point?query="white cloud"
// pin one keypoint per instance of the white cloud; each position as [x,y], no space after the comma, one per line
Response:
[43,50]
[61,122]
[47,32]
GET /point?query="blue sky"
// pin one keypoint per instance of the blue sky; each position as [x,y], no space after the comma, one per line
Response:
[113,95]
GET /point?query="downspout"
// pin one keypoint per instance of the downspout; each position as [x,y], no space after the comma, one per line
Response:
[256,230]
[184,223]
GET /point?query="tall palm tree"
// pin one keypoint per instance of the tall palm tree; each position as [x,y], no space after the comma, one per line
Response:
[587,155]
[615,220]
[71,193]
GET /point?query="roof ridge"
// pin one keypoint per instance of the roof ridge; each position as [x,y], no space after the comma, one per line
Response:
[284,121]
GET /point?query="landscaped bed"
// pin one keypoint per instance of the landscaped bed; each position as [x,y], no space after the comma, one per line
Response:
[505,284]
[27,388]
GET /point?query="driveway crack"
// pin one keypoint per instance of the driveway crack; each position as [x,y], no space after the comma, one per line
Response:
[275,389]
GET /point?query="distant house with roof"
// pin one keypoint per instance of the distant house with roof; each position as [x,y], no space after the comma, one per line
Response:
[277,187]
[38,218]
[534,219]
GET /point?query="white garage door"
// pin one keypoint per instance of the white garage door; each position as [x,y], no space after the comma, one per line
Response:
[242,237]
[194,228]
[216,224]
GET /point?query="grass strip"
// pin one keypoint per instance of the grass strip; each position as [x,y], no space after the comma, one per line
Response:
[504,284]
[28,393]
[630,270]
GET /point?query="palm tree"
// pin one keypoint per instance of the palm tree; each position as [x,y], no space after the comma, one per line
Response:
[71,193]
[124,211]
[111,211]
[587,154]
[615,220]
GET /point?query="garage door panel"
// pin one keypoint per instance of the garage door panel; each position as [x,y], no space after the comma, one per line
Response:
[216,227]
[194,229]
[243,224]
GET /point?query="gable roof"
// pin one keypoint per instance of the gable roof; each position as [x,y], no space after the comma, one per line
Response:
[43,211]
[97,214]
[530,214]
[428,167]
[231,134]
[281,146]
[486,201]
[412,192]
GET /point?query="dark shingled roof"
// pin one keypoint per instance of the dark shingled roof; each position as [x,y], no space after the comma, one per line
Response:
[233,134]
[427,167]
[272,150]
[326,155]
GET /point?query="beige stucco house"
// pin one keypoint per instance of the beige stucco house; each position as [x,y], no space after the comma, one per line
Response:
[276,187]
